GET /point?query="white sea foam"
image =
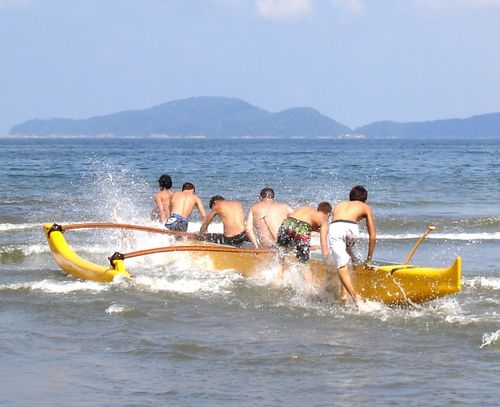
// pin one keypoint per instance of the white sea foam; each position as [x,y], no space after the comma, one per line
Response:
[451,310]
[490,338]
[483,282]
[4,227]
[367,306]
[214,227]
[26,250]
[117,309]
[57,287]
[40,248]
[447,309]
[7,227]
[65,287]
[440,236]
[188,284]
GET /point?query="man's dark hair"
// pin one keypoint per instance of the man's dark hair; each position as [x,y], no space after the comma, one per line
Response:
[214,199]
[267,193]
[165,181]
[188,185]
[358,193]
[325,207]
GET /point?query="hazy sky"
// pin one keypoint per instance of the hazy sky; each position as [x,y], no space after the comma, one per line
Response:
[357,61]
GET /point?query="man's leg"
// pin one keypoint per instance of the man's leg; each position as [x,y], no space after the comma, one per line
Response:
[345,279]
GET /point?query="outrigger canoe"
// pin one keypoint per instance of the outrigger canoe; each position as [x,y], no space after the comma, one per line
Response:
[388,283]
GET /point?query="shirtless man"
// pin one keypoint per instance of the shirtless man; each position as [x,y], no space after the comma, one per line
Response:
[344,232]
[264,219]
[163,199]
[233,218]
[295,231]
[183,204]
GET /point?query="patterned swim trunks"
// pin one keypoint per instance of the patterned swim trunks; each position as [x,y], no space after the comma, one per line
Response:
[295,234]
[177,223]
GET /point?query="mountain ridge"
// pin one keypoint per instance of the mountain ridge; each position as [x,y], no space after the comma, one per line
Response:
[225,117]
[204,116]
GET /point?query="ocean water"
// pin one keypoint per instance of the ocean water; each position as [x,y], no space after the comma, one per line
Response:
[181,335]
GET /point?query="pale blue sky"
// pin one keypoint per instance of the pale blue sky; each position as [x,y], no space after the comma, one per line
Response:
[357,61]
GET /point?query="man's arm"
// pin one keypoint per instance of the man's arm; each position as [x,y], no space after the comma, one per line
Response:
[201,208]
[249,228]
[370,225]
[207,221]
[323,239]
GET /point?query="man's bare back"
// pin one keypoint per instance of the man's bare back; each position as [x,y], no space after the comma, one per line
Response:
[163,201]
[351,210]
[355,211]
[309,215]
[163,198]
[231,214]
[265,217]
[185,201]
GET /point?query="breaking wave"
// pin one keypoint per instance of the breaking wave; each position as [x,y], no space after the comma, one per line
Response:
[492,283]
[57,287]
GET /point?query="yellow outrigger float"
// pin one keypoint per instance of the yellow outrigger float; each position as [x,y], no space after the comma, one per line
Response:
[388,283]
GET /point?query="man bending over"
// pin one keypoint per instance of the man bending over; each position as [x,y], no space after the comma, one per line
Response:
[233,219]
[183,204]
[344,232]
[295,234]
[264,219]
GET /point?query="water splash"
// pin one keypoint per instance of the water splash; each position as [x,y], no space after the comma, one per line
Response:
[483,282]
[117,309]
[489,339]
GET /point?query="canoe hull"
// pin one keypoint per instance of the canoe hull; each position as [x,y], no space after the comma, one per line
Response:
[391,284]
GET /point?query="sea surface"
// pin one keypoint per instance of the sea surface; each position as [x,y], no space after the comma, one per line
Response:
[182,335]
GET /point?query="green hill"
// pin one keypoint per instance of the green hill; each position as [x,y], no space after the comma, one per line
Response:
[211,117]
[482,126]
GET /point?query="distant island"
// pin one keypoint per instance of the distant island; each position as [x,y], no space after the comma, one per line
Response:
[222,117]
[210,117]
[482,126]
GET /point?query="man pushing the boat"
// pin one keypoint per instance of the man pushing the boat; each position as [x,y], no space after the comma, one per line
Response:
[295,234]
[295,231]
[183,204]
[343,233]
[264,219]
[233,219]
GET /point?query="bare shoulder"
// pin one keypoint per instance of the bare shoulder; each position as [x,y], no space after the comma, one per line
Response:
[368,208]
[342,204]
[255,206]
[364,206]
[236,204]
[284,206]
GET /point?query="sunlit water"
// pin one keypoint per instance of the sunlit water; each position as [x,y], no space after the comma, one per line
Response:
[179,334]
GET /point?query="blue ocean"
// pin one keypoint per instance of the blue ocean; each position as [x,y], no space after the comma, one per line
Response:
[182,335]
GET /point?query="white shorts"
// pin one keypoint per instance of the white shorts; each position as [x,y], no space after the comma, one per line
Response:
[341,236]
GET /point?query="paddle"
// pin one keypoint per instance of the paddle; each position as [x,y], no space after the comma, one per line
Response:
[418,243]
